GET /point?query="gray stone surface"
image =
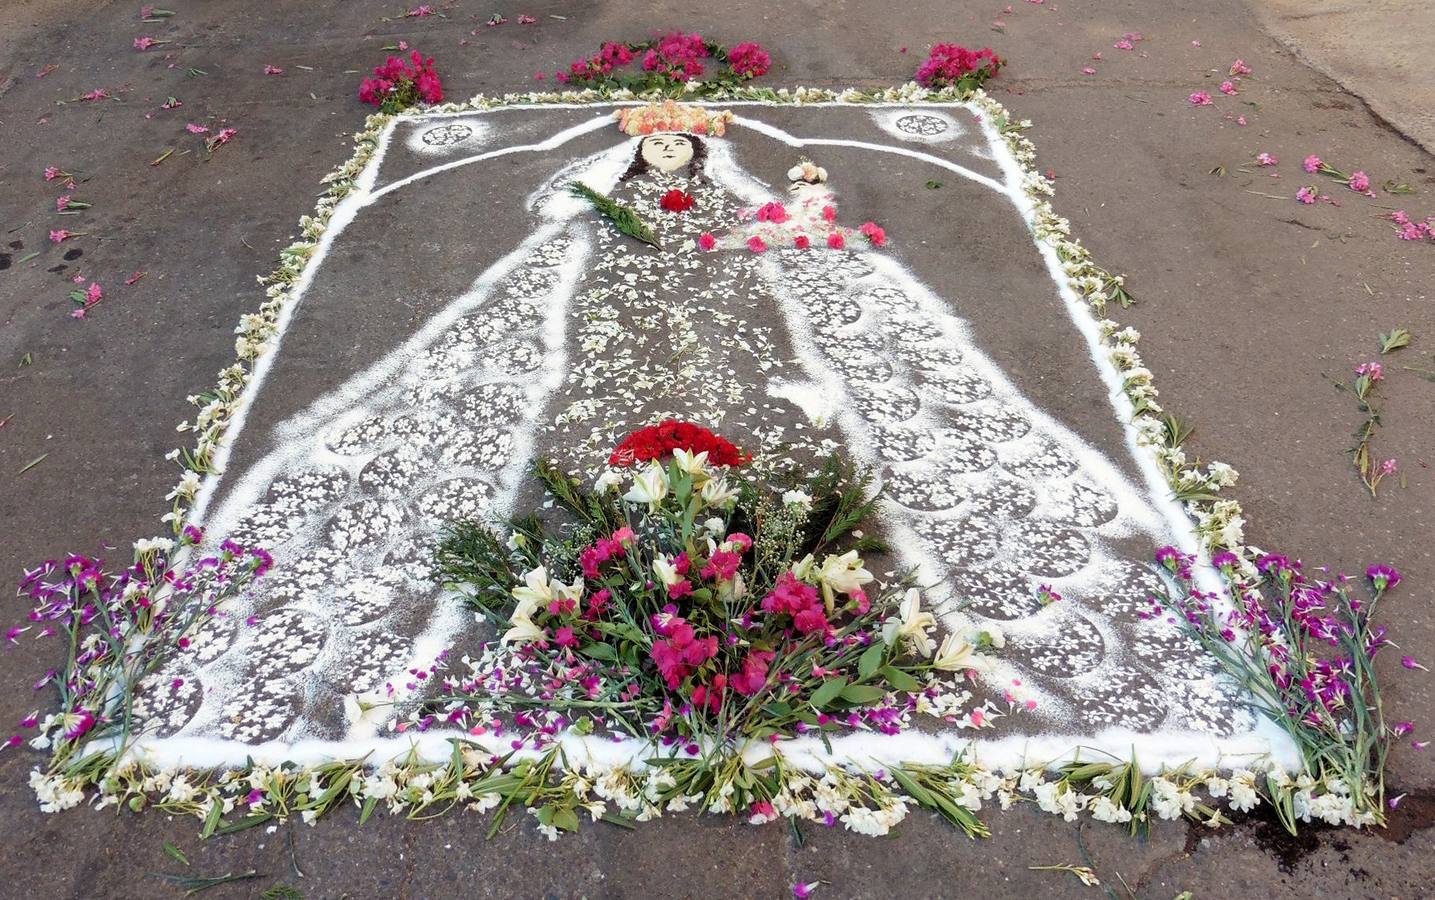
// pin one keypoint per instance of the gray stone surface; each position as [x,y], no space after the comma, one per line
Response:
[1247,304]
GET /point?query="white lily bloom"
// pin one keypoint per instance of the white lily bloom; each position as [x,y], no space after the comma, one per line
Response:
[522,631]
[535,591]
[366,709]
[665,570]
[911,625]
[797,498]
[843,574]
[694,464]
[650,486]
[956,655]
[717,492]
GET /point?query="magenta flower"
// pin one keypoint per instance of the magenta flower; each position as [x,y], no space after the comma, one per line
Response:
[1400,729]
[1088,71]
[1359,181]
[1124,44]
[836,241]
[144,43]
[273,70]
[96,94]
[1266,159]
[1306,194]
[62,202]
[756,244]
[749,60]
[706,240]
[60,235]
[1383,577]
[803,891]
[1372,370]
[1388,467]
[1410,662]
[1200,98]
[1312,164]
[1239,67]
[193,128]
[1228,88]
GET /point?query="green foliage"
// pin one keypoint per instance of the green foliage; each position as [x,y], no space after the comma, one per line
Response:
[622,216]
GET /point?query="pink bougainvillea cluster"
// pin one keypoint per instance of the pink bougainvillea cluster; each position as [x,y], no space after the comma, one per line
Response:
[676,57]
[952,65]
[400,83]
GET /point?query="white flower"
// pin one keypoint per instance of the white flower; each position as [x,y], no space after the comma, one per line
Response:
[843,574]
[718,493]
[665,570]
[911,625]
[715,527]
[956,655]
[366,709]
[608,481]
[1103,810]
[797,498]
[650,486]
[692,464]
[150,545]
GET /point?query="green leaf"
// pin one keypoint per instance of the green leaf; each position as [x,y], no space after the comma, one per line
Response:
[623,217]
[368,809]
[862,694]
[824,695]
[1394,340]
[176,854]
[900,679]
[870,661]
[246,822]
[600,651]
[565,819]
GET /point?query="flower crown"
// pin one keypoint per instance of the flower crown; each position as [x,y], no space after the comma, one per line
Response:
[671,116]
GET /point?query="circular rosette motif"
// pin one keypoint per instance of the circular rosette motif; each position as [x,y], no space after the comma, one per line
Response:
[1124,588]
[1002,498]
[1047,549]
[991,421]
[960,542]
[361,527]
[1041,458]
[885,404]
[166,699]
[1120,697]
[920,488]
[997,589]
[1079,504]
[1061,646]
[454,500]
[370,595]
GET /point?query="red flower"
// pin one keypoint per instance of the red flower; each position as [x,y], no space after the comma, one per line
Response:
[658,441]
[677,201]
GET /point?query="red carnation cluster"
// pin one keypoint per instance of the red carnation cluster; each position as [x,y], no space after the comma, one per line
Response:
[950,64]
[658,441]
[401,82]
[677,201]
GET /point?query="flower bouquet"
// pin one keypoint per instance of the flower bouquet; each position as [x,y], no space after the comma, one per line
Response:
[700,613]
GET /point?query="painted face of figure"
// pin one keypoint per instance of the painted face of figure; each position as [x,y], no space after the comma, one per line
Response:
[668,152]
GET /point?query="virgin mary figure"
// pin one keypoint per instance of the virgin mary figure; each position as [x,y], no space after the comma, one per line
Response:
[760,314]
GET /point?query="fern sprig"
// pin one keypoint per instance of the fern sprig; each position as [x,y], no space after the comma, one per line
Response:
[622,216]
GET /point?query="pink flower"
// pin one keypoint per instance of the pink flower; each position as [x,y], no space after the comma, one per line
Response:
[1388,467]
[94,293]
[803,891]
[978,718]
[775,213]
[419,11]
[829,213]
[194,128]
[60,235]
[874,233]
[1400,729]
[749,60]
[1241,121]
[802,242]
[1200,98]
[564,637]
[836,241]
[96,94]
[756,244]
[144,43]
[1265,159]
[219,140]
[1240,68]
[1312,164]
[1409,662]
[539,76]
[1359,181]
[1306,195]
[1228,88]
[272,70]
[707,241]
[1372,370]
[51,173]
[61,202]
[761,812]
[526,19]
[1195,43]
[1124,44]
[1088,71]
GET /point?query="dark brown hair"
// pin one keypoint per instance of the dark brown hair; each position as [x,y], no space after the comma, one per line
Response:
[640,166]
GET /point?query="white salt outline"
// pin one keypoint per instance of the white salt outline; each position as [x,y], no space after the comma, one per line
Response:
[1154,750]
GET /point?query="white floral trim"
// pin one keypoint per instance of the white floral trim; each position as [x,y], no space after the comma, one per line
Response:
[408,784]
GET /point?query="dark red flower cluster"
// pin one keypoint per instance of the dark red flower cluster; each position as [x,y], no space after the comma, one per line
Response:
[405,81]
[949,64]
[677,201]
[658,441]
[749,60]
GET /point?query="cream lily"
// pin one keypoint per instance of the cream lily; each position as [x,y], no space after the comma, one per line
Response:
[956,655]
[911,625]
[650,486]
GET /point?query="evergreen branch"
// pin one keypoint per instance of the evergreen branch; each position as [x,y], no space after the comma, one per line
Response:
[622,216]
